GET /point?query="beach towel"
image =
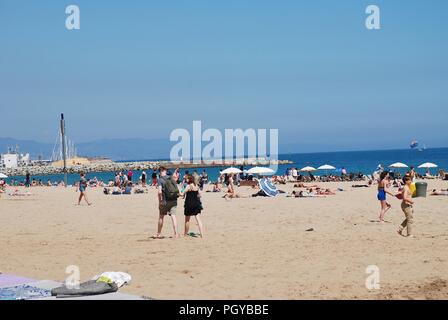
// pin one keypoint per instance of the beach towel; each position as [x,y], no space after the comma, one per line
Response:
[23,292]
[8,280]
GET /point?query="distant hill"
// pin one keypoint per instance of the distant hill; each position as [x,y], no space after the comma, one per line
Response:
[27,146]
[115,149]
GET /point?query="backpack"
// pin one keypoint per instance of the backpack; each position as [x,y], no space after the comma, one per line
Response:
[171,192]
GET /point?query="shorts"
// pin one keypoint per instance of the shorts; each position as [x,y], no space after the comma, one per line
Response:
[381,195]
[168,209]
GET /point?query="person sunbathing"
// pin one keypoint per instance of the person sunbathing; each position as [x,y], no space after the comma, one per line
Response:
[140,191]
[326,192]
[302,185]
[279,179]
[442,192]
[117,191]
[370,183]
[17,193]
[304,194]
[216,187]
[231,189]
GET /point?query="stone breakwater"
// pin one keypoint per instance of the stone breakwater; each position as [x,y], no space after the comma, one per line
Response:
[139,165]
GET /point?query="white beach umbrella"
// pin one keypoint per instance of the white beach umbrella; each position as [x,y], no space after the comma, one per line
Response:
[428,165]
[260,170]
[326,167]
[398,165]
[308,169]
[3,176]
[231,170]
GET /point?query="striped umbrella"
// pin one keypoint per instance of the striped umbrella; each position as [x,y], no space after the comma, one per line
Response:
[268,187]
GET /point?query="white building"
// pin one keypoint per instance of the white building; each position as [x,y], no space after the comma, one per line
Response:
[10,160]
[14,160]
[24,160]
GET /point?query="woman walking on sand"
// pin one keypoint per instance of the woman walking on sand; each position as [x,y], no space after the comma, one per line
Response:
[193,205]
[82,189]
[382,191]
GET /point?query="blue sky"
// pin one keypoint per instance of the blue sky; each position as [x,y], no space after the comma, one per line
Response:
[309,68]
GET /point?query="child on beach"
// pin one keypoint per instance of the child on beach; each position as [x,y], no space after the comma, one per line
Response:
[407,207]
[82,189]
[193,205]
[382,191]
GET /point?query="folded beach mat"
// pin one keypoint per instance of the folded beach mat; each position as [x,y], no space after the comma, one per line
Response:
[105,282]
[8,280]
[48,284]
[88,288]
[106,296]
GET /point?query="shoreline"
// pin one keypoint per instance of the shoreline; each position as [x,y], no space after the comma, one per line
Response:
[137,165]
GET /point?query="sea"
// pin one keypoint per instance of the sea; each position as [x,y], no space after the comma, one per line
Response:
[353,161]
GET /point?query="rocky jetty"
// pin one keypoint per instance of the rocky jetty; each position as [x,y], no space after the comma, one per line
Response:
[138,165]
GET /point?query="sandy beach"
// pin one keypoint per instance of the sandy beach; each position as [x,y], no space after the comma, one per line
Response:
[254,248]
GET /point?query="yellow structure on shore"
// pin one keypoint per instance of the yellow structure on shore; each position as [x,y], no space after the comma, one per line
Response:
[75,161]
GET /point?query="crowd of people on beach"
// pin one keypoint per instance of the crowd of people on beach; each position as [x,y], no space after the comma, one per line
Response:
[171,186]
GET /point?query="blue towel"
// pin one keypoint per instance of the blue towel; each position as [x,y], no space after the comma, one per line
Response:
[23,292]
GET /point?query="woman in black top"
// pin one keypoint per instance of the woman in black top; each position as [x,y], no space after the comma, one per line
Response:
[193,205]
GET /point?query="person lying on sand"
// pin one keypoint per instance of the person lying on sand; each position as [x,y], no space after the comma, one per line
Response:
[17,193]
[363,185]
[442,192]
[326,192]
[140,190]
[278,179]
[305,194]
[302,185]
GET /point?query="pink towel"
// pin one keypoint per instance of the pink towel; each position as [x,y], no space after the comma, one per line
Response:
[7,280]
